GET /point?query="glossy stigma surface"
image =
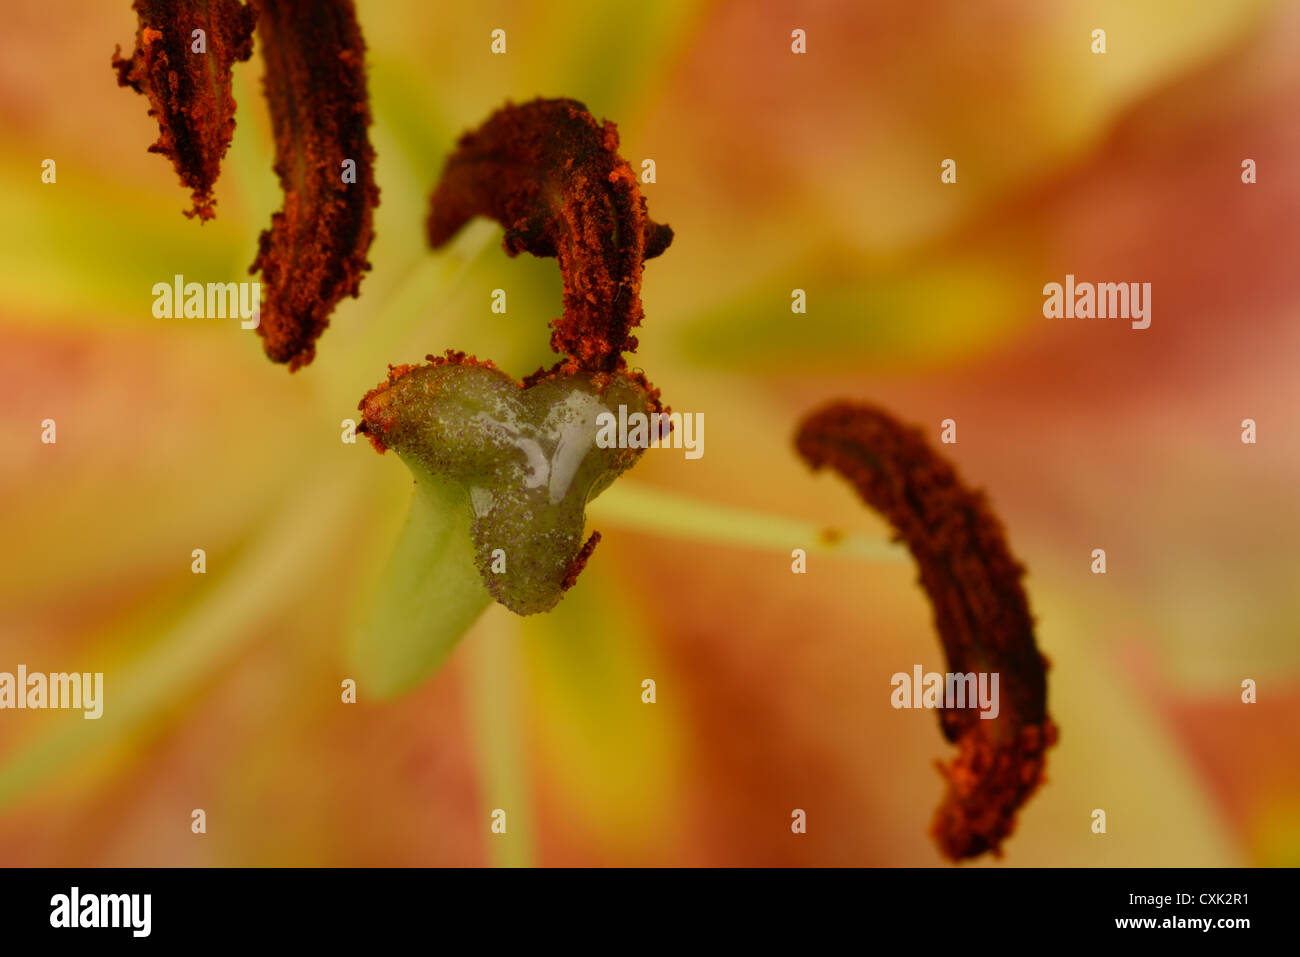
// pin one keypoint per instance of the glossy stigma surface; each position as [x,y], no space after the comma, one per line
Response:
[528,461]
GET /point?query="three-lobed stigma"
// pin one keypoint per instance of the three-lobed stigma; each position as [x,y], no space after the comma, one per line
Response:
[526,457]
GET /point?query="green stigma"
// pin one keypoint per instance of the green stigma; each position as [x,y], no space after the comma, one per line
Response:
[527,459]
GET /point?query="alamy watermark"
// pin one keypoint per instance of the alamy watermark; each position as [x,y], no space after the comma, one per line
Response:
[1103,300]
[179,299]
[75,909]
[948,690]
[639,430]
[76,689]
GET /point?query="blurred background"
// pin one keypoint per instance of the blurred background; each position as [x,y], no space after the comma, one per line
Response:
[777,171]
